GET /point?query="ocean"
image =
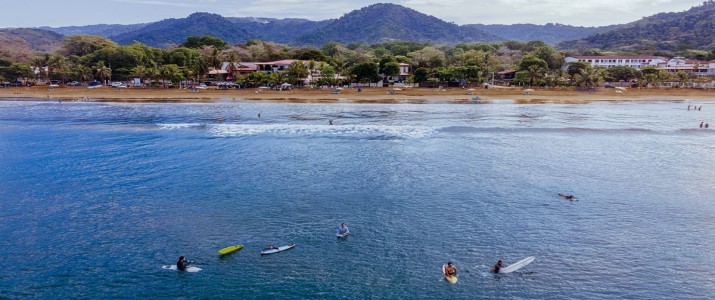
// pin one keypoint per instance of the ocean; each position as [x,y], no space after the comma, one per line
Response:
[96,197]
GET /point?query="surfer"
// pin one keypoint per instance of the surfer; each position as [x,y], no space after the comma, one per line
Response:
[330,122]
[567,197]
[343,229]
[182,264]
[497,267]
[450,270]
[271,247]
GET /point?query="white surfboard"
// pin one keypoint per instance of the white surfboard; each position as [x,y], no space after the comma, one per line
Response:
[173,267]
[517,265]
[279,249]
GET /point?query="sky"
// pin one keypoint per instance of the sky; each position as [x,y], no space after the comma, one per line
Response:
[55,13]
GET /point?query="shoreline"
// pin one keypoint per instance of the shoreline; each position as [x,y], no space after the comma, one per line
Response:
[351,95]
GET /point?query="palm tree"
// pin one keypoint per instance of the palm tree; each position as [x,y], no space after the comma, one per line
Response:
[102,71]
[589,77]
[297,71]
[39,65]
[83,73]
[535,72]
[139,72]
[233,60]
[59,65]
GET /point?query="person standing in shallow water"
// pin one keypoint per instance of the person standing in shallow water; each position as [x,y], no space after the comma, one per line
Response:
[701,124]
[707,125]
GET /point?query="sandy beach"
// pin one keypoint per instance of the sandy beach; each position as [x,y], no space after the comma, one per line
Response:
[352,95]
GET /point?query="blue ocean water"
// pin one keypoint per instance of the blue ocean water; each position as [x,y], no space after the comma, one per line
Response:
[96,197]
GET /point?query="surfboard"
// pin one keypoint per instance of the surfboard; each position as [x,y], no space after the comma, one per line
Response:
[173,267]
[450,279]
[517,265]
[230,249]
[342,236]
[279,249]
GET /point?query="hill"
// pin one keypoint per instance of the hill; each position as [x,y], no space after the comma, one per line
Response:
[384,22]
[105,30]
[282,31]
[550,33]
[22,44]
[692,29]
[175,31]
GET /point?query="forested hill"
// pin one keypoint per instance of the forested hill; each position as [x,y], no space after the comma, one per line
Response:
[549,33]
[22,44]
[105,30]
[283,31]
[691,29]
[175,31]
[384,22]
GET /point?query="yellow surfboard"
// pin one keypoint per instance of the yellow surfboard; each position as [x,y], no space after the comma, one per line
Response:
[230,249]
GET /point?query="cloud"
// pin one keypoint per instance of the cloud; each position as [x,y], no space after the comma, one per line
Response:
[154,2]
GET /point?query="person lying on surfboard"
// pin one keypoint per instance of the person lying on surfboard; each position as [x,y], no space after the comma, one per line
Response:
[343,229]
[182,264]
[497,267]
[565,196]
[450,270]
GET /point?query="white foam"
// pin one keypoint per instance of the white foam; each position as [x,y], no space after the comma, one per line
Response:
[411,132]
[179,126]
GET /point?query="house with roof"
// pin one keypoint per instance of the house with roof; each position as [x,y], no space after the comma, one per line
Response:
[634,61]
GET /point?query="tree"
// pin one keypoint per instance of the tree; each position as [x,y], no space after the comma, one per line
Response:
[327,74]
[535,73]
[197,42]
[40,66]
[170,72]
[589,78]
[82,73]
[276,78]
[531,60]
[391,69]
[420,75]
[103,72]
[428,57]
[233,61]
[576,67]
[257,78]
[297,71]
[618,73]
[365,72]
[81,45]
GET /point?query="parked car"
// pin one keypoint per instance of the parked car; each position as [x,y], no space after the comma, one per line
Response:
[201,86]
[609,86]
[73,83]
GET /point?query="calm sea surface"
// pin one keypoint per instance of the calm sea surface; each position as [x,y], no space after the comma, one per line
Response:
[96,197]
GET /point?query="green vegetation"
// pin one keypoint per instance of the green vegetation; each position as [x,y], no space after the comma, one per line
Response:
[84,58]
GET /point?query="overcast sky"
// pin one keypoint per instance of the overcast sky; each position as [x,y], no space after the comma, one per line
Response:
[36,13]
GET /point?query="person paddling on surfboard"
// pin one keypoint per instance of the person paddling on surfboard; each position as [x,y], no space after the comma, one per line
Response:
[343,230]
[565,196]
[182,264]
[450,270]
[497,267]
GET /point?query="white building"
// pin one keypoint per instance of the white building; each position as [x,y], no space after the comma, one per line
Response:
[636,62]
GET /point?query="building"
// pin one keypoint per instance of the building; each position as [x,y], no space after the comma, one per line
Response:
[636,62]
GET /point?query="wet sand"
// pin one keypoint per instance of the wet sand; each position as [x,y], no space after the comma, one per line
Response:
[351,95]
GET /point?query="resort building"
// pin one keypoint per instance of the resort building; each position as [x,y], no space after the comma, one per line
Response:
[636,62]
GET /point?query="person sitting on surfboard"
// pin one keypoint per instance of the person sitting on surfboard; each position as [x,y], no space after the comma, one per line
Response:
[271,247]
[182,264]
[343,229]
[450,270]
[565,196]
[497,267]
